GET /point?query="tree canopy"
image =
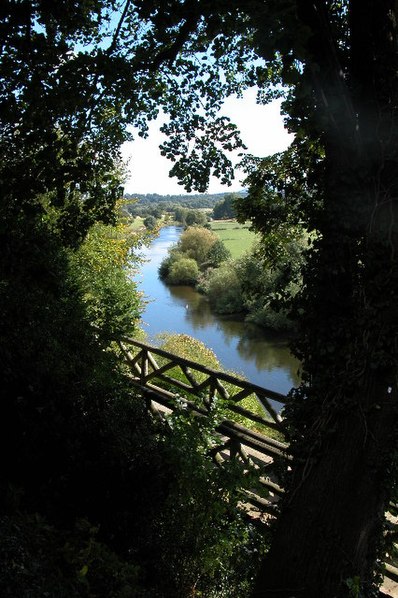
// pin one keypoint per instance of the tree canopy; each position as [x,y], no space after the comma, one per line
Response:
[225,209]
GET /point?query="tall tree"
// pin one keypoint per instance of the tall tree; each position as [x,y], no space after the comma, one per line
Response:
[345,414]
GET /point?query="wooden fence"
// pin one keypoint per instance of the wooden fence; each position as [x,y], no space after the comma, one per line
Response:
[255,435]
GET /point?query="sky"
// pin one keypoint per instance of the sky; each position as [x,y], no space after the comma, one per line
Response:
[261,128]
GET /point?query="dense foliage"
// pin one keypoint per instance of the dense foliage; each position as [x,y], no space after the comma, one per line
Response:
[85,485]
[193,201]
[225,209]
[197,249]
[257,285]
[260,284]
[187,217]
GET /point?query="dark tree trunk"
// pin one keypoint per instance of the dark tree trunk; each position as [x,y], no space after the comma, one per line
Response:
[331,522]
[330,525]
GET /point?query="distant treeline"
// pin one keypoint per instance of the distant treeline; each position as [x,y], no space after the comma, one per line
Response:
[202,200]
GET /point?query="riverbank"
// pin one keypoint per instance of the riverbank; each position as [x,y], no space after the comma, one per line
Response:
[261,357]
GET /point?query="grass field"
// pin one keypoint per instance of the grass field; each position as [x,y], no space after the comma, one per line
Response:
[137,223]
[236,237]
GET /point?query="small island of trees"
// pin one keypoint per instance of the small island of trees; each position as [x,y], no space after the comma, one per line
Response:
[260,283]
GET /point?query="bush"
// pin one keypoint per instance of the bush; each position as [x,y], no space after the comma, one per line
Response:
[75,443]
[37,559]
[224,290]
[101,266]
[206,547]
[183,271]
[196,243]
[173,256]
[217,254]
[269,285]
[150,222]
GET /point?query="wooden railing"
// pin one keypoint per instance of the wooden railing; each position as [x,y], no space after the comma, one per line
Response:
[255,436]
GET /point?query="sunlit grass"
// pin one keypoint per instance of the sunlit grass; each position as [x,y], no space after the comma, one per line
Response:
[236,237]
[137,223]
[190,348]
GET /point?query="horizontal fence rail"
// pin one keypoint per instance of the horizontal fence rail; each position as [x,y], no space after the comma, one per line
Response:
[256,436]
[141,359]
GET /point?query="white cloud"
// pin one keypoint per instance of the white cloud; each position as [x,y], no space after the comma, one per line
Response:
[261,129]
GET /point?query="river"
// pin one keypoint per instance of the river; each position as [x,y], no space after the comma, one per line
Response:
[262,357]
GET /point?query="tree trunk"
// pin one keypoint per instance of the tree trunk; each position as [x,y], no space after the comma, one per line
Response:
[331,521]
[329,531]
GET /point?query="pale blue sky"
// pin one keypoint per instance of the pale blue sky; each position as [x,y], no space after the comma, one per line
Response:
[261,129]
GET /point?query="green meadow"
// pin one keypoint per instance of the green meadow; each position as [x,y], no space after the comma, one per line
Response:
[137,223]
[236,237]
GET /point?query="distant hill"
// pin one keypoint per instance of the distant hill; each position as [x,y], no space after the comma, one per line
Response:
[200,200]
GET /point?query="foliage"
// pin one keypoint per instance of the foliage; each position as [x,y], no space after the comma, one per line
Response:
[197,249]
[195,218]
[271,277]
[68,418]
[262,283]
[103,265]
[188,217]
[174,255]
[223,288]
[39,560]
[183,271]
[150,222]
[196,242]
[190,348]
[338,63]
[214,551]
[67,143]
[284,193]
[190,201]
[217,254]
[224,210]
[139,204]
[72,77]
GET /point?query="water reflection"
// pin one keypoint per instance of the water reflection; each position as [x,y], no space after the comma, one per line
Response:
[268,356]
[261,357]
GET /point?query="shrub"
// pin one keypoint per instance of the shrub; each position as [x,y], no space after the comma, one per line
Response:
[268,286]
[206,547]
[224,290]
[37,559]
[183,271]
[217,254]
[173,256]
[195,217]
[101,266]
[196,243]
[150,222]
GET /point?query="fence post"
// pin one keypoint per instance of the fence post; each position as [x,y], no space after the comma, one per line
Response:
[234,448]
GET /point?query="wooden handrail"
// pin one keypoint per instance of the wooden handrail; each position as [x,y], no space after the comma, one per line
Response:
[144,367]
[271,394]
